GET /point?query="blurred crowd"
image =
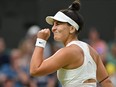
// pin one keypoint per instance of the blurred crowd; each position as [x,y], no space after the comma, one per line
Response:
[14,63]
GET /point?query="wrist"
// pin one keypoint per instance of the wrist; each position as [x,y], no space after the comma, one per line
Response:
[40,42]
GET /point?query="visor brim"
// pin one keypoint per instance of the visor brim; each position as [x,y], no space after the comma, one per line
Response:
[50,20]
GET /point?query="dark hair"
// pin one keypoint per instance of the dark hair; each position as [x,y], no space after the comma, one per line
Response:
[72,12]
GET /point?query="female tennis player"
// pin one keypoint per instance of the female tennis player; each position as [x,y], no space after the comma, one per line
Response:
[77,64]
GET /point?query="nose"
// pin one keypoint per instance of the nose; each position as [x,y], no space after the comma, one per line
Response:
[54,28]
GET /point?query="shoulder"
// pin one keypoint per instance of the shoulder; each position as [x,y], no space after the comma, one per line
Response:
[64,52]
[70,57]
[69,50]
[70,53]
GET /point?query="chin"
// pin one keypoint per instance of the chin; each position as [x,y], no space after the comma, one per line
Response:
[57,39]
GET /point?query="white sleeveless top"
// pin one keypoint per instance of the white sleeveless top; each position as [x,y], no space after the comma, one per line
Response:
[76,77]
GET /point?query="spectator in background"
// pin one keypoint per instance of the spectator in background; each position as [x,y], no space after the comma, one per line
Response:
[31,32]
[97,43]
[26,48]
[4,56]
[111,59]
[4,59]
[9,82]
[15,74]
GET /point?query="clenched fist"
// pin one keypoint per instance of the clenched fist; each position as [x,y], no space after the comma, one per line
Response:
[44,34]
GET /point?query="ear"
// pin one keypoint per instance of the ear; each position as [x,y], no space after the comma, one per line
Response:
[72,29]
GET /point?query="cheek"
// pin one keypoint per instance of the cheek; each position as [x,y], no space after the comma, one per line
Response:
[61,35]
[58,36]
[64,31]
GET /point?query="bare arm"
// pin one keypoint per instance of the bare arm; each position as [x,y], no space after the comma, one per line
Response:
[39,66]
[37,57]
[102,74]
[36,60]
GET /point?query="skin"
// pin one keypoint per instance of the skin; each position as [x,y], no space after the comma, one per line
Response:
[65,57]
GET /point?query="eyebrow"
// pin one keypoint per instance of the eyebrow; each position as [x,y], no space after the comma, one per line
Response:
[62,22]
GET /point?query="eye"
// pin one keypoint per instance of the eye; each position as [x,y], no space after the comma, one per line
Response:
[59,23]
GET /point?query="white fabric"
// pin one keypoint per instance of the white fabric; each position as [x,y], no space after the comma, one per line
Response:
[62,18]
[76,77]
[40,42]
[81,85]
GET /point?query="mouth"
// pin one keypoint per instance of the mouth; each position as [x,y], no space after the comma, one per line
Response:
[55,32]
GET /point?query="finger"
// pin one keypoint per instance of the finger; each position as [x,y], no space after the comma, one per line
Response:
[47,30]
[44,29]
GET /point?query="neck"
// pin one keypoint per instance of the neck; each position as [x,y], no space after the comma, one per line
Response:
[69,40]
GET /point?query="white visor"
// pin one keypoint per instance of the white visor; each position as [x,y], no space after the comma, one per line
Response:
[60,16]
